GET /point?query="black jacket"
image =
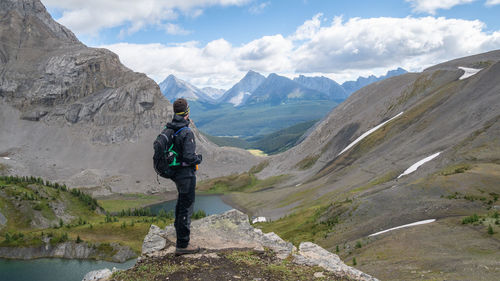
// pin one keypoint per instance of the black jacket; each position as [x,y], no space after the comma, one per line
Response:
[185,145]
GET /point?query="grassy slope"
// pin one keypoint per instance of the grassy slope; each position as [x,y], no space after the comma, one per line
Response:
[244,182]
[89,225]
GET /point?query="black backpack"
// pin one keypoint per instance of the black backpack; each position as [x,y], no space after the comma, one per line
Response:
[165,157]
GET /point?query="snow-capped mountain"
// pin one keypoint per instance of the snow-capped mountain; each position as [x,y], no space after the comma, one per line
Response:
[239,93]
[278,89]
[174,88]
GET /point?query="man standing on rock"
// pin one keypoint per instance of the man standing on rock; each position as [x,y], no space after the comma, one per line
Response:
[185,176]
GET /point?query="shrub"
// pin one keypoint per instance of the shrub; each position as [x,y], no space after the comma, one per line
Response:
[471,219]
[358,244]
[198,214]
[354,261]
[490,230]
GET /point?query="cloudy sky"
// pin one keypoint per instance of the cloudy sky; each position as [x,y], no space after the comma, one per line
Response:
[215,42]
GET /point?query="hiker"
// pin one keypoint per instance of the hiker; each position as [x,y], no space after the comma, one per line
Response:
[185,175]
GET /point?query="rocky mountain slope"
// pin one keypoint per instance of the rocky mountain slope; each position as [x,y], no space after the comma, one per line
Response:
[75,114]
[367,167]
[324,85]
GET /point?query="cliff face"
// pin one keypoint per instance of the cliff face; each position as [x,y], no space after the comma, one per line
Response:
[76,115]
[50,76]
[68,250]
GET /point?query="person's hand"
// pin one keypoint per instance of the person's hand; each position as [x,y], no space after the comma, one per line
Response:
[200,157]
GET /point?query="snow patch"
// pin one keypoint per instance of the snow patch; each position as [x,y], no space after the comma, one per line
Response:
[403,226]
[239,98]
[6,158]
[368,133]
[259,219]
[468,72]
[415,166]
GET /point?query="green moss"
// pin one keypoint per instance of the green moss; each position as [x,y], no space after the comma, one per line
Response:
[247,258]
[307,162]
[455,169]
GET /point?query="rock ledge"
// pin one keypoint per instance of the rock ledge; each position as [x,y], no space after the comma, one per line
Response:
[232,230]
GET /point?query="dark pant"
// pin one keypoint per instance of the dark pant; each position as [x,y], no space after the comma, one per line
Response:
[184,209]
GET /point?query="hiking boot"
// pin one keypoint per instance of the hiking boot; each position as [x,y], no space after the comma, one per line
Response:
[190,249]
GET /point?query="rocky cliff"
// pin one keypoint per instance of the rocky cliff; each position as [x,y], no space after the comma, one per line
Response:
[77,115]
[69,250]
[229,239]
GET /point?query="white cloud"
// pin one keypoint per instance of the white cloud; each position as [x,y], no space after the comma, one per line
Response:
[492,2]
[431,6]
[308,29]
[390,42]
[175,29]
[90,16]
[341,50]
[259,8]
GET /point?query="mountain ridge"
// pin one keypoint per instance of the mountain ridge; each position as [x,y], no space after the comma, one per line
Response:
[250,87]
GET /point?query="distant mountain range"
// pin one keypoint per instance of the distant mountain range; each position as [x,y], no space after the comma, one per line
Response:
[254,88]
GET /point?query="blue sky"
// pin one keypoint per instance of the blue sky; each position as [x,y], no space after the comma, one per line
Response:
[215,42]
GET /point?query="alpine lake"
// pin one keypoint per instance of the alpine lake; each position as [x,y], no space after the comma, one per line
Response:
[55,269]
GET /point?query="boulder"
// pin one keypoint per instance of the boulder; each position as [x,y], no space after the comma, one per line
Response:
[101,274]
[313,255]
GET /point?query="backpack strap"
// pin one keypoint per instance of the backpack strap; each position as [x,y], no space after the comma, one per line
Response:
[171,149]
[178,131]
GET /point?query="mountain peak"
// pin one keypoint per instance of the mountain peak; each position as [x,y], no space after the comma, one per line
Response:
[173,88]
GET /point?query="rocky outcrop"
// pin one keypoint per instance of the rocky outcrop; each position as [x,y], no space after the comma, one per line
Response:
[68,250]
[232,230]
[313,255]
[102,274]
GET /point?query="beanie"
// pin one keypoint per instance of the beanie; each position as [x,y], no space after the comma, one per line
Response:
[181,107]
